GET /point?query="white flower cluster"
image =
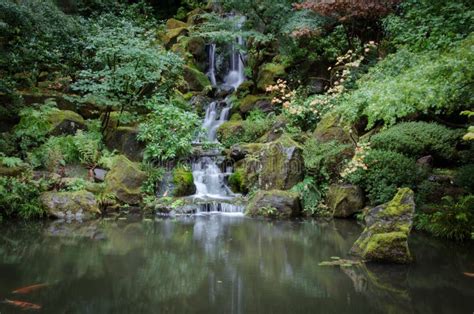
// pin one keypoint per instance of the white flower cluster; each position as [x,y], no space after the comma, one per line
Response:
[358,160]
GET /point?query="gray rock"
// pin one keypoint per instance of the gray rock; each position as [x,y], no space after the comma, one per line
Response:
[78,205]
[99,174]
[275,203]
[345,200]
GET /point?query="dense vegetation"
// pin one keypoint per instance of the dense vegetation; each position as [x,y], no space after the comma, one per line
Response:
[395,79]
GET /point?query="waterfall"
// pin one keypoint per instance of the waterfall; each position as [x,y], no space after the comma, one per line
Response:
[236,75]
[212,192]
[211,72]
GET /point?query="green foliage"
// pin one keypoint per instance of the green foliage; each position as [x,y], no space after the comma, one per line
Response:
[154,175]
[89,146]
[465,177]
[126,66]
[19,198]
[418,139]
[324,161]
[76,185]
[168,132]
[34,126]
[56,152]
[386,172]
[236,181]
[37,36]
[454,219]
[407,83]
[312,196]
[248,130]
[10,162]
[183,181]
[427,24]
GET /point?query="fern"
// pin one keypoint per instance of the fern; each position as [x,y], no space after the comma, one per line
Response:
[88,145]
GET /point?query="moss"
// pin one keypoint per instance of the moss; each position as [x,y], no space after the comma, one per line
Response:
[196,80]
[275,204]
[330,128]
[125,180]
[244,89]
[56,117]
[237,181]
[174,23]
[11,171]
[381,245]
[248,102]
[231,132]
[268,74]
[184,182]
[59,203]
[235,117]
[399,205]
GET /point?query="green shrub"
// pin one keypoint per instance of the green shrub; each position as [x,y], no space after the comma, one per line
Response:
[418,139]
[34,126]
[407,83]
[168,132]
[386,171]
[454,219]
[236,181]
[465,177]
[312,196]
[245,131]
[55,152]
[19,198]
[324,161]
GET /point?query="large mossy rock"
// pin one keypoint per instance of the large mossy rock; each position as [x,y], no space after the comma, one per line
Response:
[11,171]
[124,139]
[174,29]
[274,203]
[275,165]
[125,180]
[268,75]
[65,122]
[230,132]
[240,151]
[255,102]
[345,200]
[80,204]
[385,237]
[331,128]
[197,81]
[183,181]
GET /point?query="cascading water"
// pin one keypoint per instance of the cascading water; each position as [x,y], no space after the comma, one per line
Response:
[212,193]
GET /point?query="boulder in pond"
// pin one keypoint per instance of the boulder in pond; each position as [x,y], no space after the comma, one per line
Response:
[124,139]
[385,237]
[274,203]
[345,200]
[79,205]
[125,180]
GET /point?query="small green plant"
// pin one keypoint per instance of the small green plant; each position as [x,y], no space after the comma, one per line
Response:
[19,197]
[453,220]
[11,162]
[154,176]
[268,211]
[89,146]
[76,185]
[312,196]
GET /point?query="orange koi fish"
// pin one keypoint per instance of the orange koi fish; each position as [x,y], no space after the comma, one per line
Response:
[29,289]
[23,305]
[469,275]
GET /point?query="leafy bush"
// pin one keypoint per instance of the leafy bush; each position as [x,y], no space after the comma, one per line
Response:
[386,171]
[428,24]
[407,83]
[154,175]
[33,127]
[168,132]
[247,131]
[126,66]
[465,177]
[453,220]
[324,161]
[56,152]
[418,139]
[19,198]
[37,36]
[312,196]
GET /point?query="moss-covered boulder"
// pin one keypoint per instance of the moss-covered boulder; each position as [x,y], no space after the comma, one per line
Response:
[268,75]
[11,171]
[240,151]
[275,132]
[125,180]
[331,128]
[244,89]
[73,205]
[174,23]
[274,203]
[230,132]
[252,102]
[385,236]
[64,122]
[183,181]
[345,200]
[124,139]
[196,80]
[236,181]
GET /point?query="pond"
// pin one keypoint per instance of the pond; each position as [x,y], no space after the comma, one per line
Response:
[222,264]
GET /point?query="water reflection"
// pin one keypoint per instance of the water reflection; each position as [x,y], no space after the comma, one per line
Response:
[223,264]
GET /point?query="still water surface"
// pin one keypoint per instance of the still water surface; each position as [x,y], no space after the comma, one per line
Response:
[222,264]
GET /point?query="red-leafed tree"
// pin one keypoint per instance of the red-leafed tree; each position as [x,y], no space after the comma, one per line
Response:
[359,17]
